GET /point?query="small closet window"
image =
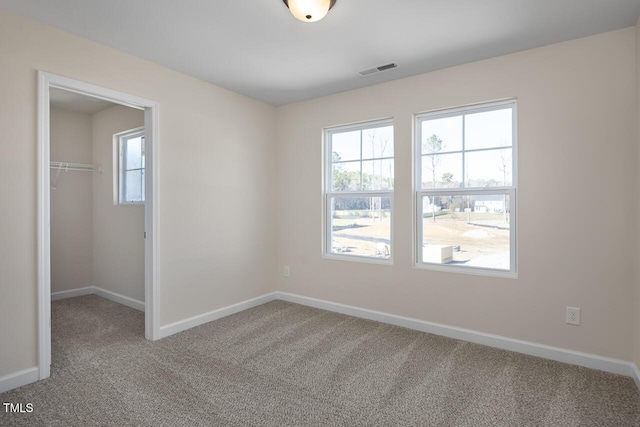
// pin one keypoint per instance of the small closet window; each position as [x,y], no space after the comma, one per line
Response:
[130,161]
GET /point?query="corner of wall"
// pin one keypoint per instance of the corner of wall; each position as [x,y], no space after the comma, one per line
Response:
[19,379]
[278,284]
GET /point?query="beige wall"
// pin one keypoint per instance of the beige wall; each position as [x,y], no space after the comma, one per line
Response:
[118,242]
[71,202]
[576,197]
[216,181]
[93,242]
[220,240]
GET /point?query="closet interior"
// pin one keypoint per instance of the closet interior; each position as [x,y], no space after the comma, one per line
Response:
[97,199]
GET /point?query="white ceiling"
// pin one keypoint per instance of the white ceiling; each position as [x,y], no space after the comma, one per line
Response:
[77,103]
[256,48]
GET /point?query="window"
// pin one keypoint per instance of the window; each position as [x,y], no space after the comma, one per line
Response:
[359,191]
[466,188]
[130,161]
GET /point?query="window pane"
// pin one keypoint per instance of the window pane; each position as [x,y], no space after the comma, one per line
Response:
[362,160]
[441,135]
[442,171]
[134,153]
[361,226]
[345,176]
[142,150]
[377,142]
[142,183]
[345,146]
[377,175]
[134,186]
[467,231]
[488,129]
[490,168]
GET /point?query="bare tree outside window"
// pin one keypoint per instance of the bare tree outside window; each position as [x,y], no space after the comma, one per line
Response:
[433,145]
[465,178]
[505,162]
[359,190]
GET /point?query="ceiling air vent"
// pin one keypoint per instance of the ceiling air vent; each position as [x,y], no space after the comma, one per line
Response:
[379,68]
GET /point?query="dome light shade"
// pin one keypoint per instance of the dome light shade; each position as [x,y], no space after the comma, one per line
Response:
[309,10]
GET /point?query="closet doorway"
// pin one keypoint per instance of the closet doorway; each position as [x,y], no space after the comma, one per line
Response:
[91,130]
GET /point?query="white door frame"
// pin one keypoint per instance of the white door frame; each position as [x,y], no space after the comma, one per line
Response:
[151,268]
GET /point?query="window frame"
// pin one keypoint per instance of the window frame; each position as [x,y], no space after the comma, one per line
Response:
[328,193]
[120,140]
[510,191]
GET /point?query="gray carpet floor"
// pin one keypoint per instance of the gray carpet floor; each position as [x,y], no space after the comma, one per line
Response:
[282,364]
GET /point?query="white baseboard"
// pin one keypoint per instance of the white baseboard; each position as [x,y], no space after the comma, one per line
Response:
[18,379]
[183,325]
[593,361]
[635,374]
[94,290]
[120,299]
[72,293]
[587,360]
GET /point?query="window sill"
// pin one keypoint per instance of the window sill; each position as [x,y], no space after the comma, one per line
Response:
[474,271]
[355,258]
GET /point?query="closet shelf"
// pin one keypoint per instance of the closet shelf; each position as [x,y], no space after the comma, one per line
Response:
[68,166]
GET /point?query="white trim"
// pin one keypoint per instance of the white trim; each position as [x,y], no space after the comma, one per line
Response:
[191,322]
[478,107]
[120,299]
[119,160]
[95,290]
[360,258]
[473,271]
[635,374]
[151,221]
[116,162]
[329,193]
[420,192]
[18,379]
[44,231]
[558,354]
[152,282]
[89,290]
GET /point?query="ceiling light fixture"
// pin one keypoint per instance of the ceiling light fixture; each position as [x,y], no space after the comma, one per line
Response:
[309,10]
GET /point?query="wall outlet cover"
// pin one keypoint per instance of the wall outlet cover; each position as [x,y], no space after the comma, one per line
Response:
[573,316]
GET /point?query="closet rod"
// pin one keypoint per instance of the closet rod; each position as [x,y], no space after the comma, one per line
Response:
[68,166]
[74,166]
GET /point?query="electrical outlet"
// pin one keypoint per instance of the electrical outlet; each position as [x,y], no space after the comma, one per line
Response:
[573,316]
[287,271]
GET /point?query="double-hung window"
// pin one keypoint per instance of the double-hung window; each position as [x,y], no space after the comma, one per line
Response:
[131,167]
[466,189]
[358,191]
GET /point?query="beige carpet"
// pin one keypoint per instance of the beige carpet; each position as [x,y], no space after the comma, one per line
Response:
[283,364]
